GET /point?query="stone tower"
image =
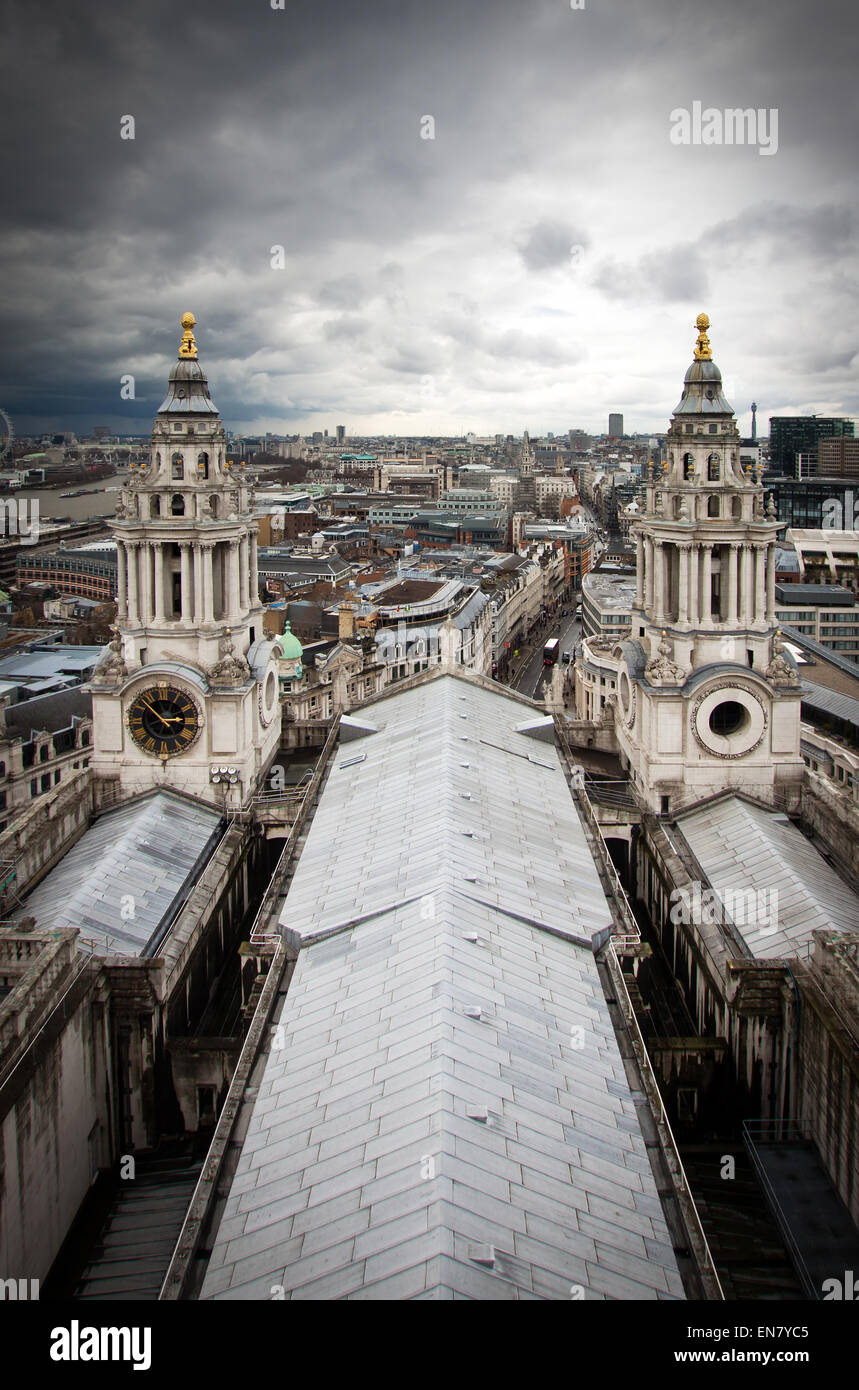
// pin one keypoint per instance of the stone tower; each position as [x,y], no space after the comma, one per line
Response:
[706,698]
[188,687]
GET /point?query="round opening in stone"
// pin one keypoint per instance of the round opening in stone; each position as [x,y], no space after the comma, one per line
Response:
[728,718]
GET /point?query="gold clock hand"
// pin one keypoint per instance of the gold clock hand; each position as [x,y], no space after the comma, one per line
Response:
[155,712]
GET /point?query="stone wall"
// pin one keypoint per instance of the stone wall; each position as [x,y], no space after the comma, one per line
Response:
[55,1097]
[827,1084]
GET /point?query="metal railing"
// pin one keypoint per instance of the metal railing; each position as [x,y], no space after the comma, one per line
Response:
[16,1056]
[258,935]
[671,1152]
[616,946]
[631,933]
[612,791]
[785,1131]
[206,1190]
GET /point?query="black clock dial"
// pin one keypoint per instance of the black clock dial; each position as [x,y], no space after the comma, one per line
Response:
[163,720]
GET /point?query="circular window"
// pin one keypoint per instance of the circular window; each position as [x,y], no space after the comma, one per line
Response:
[268,698]
[728,718]
[729,721]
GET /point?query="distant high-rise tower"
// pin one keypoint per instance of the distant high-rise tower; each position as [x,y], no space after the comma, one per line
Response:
[754,419]
[615,426]
[341,433]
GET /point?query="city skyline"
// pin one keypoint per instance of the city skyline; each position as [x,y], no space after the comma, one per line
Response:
[486,221]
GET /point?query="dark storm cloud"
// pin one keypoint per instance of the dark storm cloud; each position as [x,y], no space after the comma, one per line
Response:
[405,258]
[550,244]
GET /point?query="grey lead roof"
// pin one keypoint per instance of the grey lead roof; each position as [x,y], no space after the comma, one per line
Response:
[776,887]
[47,713]
[122,878]
[444,1112]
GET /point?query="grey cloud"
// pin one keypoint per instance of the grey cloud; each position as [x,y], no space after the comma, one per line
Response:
[548,245]
[300,128]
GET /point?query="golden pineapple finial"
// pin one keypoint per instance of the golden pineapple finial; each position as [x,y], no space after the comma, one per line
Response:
[187,347]
[702,347]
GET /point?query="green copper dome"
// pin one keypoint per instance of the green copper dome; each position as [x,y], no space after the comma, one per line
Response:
[289,644]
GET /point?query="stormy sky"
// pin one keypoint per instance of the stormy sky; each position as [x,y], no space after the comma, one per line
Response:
[537,263]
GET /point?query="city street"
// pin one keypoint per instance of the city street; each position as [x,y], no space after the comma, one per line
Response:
[531,676]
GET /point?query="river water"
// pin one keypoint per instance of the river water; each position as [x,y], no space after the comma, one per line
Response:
[100,503]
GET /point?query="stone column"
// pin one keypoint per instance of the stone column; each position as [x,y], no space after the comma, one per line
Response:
[648,575]
[187,598]
[732,554]
[760,583]
[770,562]
[706,584]
[146,560]
[659,559]
[198,583]
[133,583]
[121,582]
[253,577]
[693,584]
[206,551]
[639,571]
[683,585]
[233,597]
[158,561]
[243,574]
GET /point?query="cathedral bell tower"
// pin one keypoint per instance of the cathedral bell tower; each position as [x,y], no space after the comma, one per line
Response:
[706,699]
[186,696]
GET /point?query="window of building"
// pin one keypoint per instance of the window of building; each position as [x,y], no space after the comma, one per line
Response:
[206,1103]
[44,753]
[34,786]
[46,782]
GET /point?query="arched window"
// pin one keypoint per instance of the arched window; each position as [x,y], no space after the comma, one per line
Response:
[736,508]
[712,506]
[203,465]
[177,506]
[177,467]
[155,505]
[713,468]
[688,466]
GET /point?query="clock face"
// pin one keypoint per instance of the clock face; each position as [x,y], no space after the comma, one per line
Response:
[163,720]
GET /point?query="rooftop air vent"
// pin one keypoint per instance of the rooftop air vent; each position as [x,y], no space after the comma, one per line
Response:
[482,1254]
[478,1113]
